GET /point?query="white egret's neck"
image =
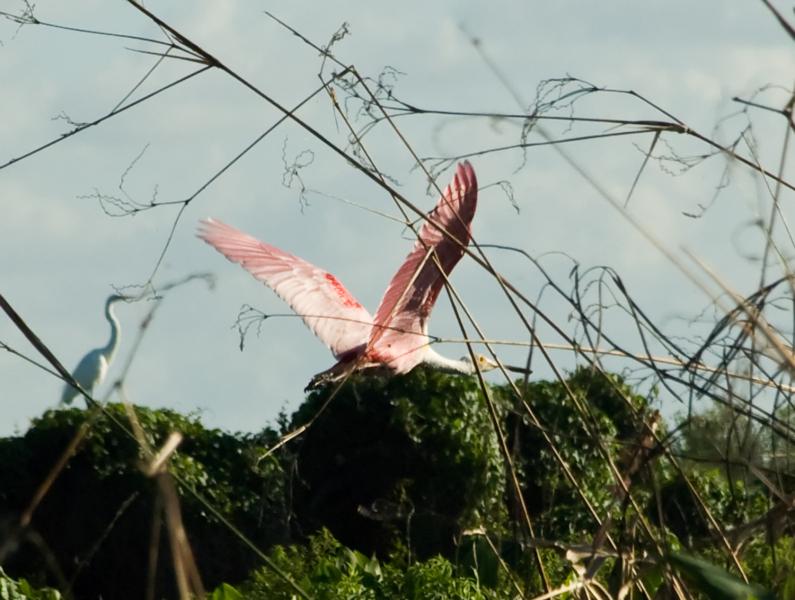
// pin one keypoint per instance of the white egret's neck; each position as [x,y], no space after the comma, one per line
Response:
[115,329]
[449,365]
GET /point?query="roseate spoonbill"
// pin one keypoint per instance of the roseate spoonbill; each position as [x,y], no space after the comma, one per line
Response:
[93,367]
[396,339]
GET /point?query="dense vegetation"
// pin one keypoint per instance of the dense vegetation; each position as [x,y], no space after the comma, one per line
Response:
[399,489]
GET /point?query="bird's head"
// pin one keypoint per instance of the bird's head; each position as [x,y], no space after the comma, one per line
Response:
[483,362]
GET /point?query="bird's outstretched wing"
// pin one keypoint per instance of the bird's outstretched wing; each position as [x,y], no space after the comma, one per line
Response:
[400,321]
[328,309]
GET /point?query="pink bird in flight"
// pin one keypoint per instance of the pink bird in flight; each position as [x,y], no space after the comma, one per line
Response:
[396,339]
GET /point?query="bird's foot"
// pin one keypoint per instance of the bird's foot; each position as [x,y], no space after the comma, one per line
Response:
[342,370]
[334,374]
[317,381]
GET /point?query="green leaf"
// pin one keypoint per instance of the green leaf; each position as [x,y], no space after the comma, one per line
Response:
[22,590]
[478,558]
[715,581]
[225,592]
[788,589]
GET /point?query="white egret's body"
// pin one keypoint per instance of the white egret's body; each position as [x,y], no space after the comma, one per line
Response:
[396,338]
[93,367]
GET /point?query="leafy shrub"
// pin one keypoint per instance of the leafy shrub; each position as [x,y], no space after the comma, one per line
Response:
[95,523]
[406,461]
[405,472]
[324,568]
[549,496]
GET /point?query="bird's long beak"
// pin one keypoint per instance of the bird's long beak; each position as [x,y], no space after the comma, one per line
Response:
[515,369]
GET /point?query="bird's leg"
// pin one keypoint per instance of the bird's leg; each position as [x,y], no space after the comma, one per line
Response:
[342,369]
[335,373]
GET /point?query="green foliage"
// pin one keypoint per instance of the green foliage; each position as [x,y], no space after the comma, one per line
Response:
[730,505]
[226,592]
[718,444]
[105,541]
[477,557]
[609,420]
[406,461]
[720,434]
[388,495]
[22,590]
[715,582]
[325,569]
[724,438]
[723,441]
[773,564]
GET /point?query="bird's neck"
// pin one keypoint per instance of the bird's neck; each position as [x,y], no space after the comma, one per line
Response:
[110,349]
[450,365]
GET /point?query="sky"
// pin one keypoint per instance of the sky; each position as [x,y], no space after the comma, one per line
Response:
[65,250]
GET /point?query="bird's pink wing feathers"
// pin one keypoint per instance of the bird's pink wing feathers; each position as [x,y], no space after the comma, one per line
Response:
[400,324]
[328,309]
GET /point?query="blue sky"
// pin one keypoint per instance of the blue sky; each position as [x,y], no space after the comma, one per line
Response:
[63,254]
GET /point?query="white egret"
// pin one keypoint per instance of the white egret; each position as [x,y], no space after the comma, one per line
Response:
[93,367]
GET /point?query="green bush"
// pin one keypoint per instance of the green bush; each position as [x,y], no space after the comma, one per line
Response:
[407,461]
[612,418]
[325,569]
[95,523]
[386,495]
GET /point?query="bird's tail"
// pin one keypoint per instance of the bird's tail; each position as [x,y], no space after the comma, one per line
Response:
[68,395]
